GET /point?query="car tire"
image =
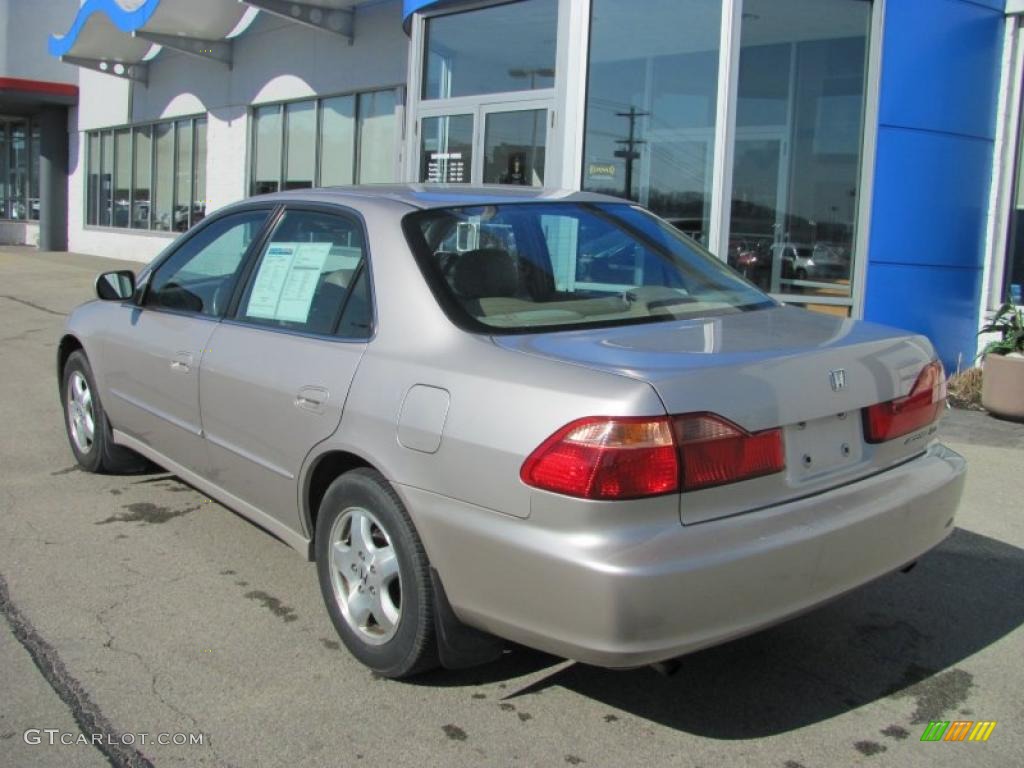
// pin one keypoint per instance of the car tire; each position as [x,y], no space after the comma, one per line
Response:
[375,576]
[801,274]
[87,426]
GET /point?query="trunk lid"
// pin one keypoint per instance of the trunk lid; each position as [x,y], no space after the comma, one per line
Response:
[783,367]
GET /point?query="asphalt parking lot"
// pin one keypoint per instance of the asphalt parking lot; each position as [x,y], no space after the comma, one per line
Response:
[135,605]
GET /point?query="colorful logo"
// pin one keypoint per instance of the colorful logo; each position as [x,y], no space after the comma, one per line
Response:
[958,730]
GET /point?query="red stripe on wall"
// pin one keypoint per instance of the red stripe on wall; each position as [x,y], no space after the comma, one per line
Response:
[38,86]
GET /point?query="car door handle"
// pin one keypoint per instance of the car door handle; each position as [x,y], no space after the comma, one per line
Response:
[182,362]
[312,399]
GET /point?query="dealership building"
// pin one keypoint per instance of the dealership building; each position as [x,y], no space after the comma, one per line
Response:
[858,157]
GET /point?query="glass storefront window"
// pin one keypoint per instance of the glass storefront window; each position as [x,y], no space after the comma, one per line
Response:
[356,136]
[199,173]
[183,176]
[143,178]
[92,193]
[651,106]
[338,140]
[300,139]
[147,176]
[163,176]
[122,177]
[106,178]
[502,48]
[446,149]
[1013,275]
[3,171]
[33,176]
[266,172]
[17,170]
[797,160]
[376,137]
[651,128]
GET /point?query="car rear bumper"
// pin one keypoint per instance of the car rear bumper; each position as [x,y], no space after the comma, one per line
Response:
[632,594]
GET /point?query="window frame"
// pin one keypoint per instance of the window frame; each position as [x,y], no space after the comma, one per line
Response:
[146,276]
[252,145]
[260,244]
[91,219]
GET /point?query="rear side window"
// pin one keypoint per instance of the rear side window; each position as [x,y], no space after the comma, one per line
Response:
[310,271]
[528,267]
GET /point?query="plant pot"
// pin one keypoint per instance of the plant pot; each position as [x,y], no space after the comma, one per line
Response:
[1002,386]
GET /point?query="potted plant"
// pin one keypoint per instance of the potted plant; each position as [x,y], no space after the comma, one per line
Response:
[1002,384]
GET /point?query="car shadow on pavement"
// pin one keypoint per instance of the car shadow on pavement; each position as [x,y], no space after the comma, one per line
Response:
[900,637]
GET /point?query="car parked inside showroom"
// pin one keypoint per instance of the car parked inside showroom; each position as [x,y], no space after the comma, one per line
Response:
[502,414]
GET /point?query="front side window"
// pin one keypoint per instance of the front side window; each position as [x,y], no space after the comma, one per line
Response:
[530,267]
[200,276]
[311,278]
[507,47]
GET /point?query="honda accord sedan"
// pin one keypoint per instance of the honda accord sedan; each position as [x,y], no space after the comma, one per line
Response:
[495,414]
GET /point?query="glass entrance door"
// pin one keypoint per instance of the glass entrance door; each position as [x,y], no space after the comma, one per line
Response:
[515,146]
[446,149]
[503,143]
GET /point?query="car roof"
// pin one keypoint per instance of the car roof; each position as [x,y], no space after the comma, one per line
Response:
[425,196]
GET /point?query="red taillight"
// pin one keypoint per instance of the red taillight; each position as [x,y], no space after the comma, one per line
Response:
[606,458]
[714,451]
[630,458]
[904,415]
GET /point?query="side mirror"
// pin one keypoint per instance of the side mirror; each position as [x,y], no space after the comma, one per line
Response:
[116,286]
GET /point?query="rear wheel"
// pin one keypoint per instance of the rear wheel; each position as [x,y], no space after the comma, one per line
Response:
[86,422]
[375,576]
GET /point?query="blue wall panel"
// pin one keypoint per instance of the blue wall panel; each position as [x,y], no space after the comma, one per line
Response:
[941,66]
[940,302]
[930,202]
[940,79]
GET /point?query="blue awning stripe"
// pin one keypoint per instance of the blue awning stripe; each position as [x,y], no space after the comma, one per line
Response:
[126,21]
[409,7]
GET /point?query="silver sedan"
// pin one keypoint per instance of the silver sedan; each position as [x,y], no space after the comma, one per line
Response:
[501,414]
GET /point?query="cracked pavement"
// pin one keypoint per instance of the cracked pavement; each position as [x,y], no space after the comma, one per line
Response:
[135,604]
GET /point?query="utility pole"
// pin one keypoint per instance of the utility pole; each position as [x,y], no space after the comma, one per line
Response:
[629,154]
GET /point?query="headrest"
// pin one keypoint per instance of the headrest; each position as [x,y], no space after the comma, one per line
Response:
[485,273]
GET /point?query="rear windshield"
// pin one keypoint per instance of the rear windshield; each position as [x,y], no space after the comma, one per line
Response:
[530,267]
[526,267]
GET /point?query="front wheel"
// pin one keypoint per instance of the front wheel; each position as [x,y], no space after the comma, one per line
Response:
[88,430]
[374,576]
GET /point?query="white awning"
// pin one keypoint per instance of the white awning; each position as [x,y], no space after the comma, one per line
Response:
[119,37]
